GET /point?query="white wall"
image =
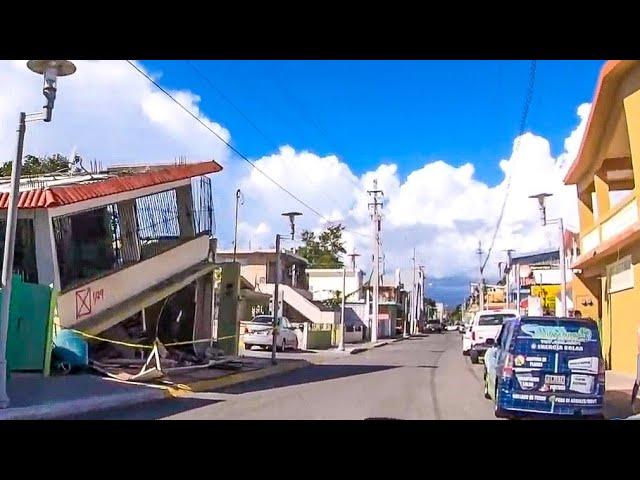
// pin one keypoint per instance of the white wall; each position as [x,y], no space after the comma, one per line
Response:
[322,282]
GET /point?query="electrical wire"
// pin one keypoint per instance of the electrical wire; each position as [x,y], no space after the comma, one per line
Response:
[232,148]
[269,141]
[523,123]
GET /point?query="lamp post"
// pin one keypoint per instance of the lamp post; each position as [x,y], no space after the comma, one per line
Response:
[276,304]
[235,228]
[344,294]
[50,70]
[541,197]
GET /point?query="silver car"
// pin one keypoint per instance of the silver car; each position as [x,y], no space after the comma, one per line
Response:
[260,332]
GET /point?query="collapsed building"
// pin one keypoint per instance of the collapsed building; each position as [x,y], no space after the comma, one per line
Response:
[130,253]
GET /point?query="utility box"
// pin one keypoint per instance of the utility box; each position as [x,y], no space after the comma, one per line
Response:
[228,293]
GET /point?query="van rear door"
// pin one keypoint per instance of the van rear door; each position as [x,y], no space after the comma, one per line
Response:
[557,355]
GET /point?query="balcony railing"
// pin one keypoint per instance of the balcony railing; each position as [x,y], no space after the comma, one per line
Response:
[615,221]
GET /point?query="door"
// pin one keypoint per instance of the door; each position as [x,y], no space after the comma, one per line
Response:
[28,338]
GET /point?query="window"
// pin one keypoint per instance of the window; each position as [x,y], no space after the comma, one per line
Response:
[24,256]
[620,275]
[497,319]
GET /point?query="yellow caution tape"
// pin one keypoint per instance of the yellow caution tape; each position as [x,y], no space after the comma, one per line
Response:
[149,347]
[124,344]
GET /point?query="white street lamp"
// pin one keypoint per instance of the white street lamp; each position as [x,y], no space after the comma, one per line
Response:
[541,197]
[274,334]
[50,70]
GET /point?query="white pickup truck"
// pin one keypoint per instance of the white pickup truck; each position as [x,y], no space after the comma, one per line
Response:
[485,324]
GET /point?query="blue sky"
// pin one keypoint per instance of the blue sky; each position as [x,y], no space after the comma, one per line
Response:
[408,112]
[432,132]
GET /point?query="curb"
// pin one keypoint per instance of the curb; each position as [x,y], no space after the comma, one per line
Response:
[377,345]
[85,405]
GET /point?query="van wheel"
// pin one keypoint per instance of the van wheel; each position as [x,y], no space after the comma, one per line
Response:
[474,357]
[247,347]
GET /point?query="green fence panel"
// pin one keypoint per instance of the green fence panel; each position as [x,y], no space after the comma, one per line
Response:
[28,339]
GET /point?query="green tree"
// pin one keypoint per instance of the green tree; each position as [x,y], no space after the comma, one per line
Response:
[335,301]
[32,165]
[323,251]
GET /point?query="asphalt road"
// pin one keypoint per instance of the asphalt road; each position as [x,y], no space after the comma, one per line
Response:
[423,378]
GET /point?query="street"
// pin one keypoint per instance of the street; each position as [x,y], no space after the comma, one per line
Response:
[421,378]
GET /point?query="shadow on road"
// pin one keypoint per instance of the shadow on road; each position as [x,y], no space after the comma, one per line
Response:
[310,374]
[147,411]
[165,408]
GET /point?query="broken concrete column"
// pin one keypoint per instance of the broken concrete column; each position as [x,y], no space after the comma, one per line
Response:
[184,199]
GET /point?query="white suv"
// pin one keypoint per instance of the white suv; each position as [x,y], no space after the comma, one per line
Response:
[485,324]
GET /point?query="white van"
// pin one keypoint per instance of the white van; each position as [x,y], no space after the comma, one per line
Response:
[485,324]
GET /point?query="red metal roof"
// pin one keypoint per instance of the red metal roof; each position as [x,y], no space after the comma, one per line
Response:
[65,195]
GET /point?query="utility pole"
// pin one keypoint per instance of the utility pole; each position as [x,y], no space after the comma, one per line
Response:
[235,230]
[421,291]
[344,294]
[481,283]
[376,221]
[509,252]
[413,294]
[353,256]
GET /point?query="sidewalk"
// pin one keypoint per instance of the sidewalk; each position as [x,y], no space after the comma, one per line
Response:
[618,397]
[34,397]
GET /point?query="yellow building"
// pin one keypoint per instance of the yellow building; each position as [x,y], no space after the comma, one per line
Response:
[607,172]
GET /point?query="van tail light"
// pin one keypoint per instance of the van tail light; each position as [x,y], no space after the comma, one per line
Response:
[507,369]
[601,372]
[473,335]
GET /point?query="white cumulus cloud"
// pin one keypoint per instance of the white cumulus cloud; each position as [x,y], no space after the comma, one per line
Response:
[109,112]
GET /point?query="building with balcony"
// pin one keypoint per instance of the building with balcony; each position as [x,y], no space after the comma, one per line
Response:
[127,243]
[258,267]
[606,173]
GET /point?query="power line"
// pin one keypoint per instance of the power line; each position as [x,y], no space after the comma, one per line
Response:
[231,147]
[228,100]
[306,115]
[523,123]
[269,140]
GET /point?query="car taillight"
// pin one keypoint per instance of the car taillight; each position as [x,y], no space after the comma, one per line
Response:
[507,369]
[473,335]
[601,372]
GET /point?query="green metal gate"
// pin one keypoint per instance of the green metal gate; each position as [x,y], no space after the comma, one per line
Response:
[30,327]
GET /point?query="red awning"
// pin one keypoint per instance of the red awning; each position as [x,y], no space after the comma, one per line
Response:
[66,195]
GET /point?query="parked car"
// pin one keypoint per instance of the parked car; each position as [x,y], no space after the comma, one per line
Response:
[485,324]
[451,328]
[433,325]
[546,365]
[260,332]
